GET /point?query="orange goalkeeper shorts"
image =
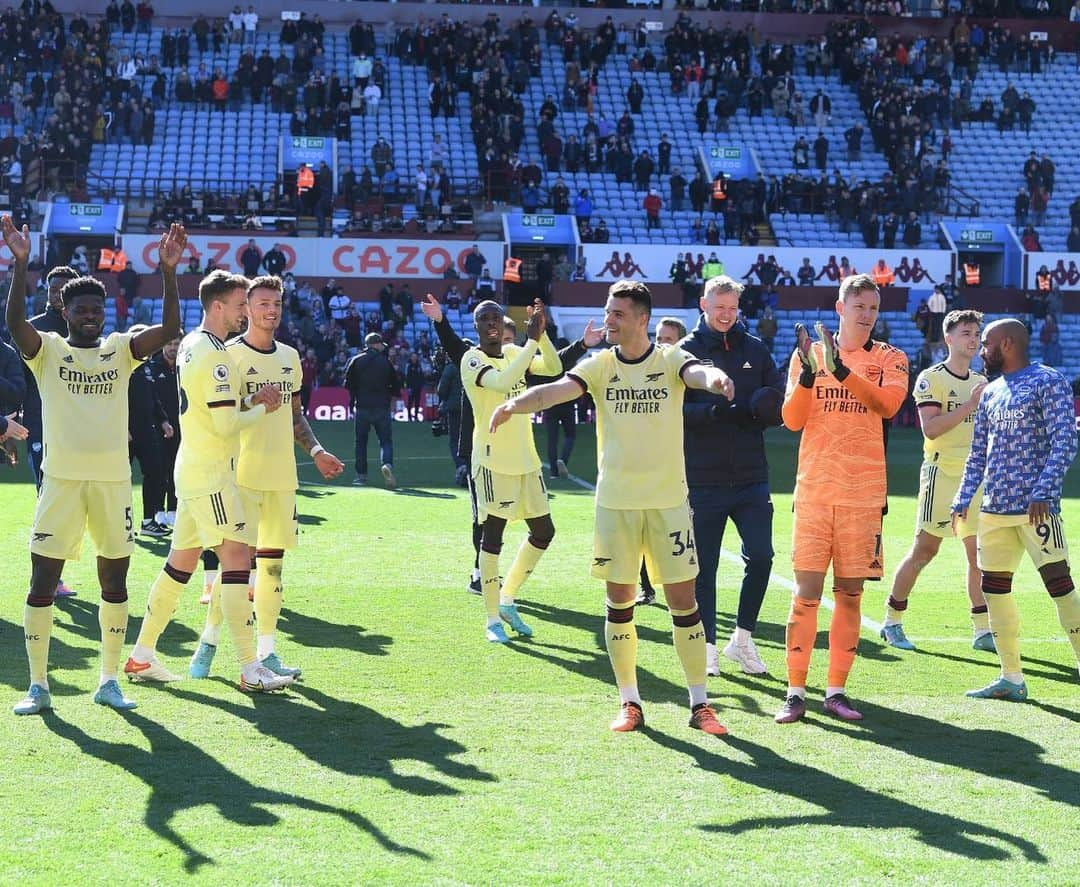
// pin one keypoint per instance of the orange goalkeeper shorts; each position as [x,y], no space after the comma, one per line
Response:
[848,538]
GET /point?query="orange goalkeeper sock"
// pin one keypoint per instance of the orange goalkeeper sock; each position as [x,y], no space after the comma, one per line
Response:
[801,634]
[843,635]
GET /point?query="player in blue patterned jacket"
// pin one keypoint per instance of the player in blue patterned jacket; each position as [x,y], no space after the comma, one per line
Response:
[1024,442]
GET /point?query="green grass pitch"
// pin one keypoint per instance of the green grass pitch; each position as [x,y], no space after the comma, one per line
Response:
[416,753]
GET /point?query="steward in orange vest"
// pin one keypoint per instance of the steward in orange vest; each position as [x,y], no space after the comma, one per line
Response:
[971,273]
[882,274]
[512,270]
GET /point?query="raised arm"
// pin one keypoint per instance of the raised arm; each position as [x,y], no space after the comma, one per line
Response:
[26,338]
[884,399]
[802,370]
[505,379]
[546,362]
[452,343]
[170,249]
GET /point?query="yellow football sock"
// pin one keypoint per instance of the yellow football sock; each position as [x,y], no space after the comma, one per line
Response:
[37,627]
[211,633]
[236,608]
[689,637]
[1068,607]
[621,637]
[980,620]
[267,601]
[894,611]
[525,562]
[489,584]
[1004,622]
[160,605]
[113,619]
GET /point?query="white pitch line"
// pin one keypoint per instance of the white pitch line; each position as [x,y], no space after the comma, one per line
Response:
[867,623]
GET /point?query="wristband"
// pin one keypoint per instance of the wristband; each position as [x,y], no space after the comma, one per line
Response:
[315,450]
[806,378]
[841,372]
[248,402]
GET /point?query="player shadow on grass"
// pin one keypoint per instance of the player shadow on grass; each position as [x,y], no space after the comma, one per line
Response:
[309,631]
[848,804]
[1051,671]
[181,776]
[422,493]
[351,738]
[996,754]
[84,623]
[314,492]
[310,520]
[62,657]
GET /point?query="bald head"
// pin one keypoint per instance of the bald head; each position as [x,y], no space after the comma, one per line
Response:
[1011,328]
[1005,346]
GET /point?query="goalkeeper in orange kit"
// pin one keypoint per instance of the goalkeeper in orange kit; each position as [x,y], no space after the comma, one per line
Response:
[841,392]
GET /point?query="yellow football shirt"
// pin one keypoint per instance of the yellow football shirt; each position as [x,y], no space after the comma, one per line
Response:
[490,381]
[639,426]
[266,458]
[84,406]
[208,381]
[938,386]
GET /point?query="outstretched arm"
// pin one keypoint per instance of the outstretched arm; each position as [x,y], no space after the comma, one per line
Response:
[541,397]
[25,336]
[709,378]
[170,249]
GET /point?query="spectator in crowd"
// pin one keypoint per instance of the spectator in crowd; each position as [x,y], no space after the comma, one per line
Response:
[251,259]
[652,206]
[1050,338]
[373,385]
[937,307]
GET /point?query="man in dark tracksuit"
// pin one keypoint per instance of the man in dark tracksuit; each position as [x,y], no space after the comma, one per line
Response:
[726,469]
[455,348]
[373,384]
[148,426]
[162,367]
[51,320]
[12,391]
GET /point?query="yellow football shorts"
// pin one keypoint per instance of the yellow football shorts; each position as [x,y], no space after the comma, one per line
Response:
[934,514]
[67,509]
[509,496]
[274,513]
[207,521]
[663,536]
[1003,539]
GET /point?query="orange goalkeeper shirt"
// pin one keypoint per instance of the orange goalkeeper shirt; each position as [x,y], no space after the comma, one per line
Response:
[842,451]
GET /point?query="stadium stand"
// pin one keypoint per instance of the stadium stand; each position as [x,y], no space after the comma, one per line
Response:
[223,146]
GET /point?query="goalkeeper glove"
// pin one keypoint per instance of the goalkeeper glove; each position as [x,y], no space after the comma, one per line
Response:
[804,347]
[832,353]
